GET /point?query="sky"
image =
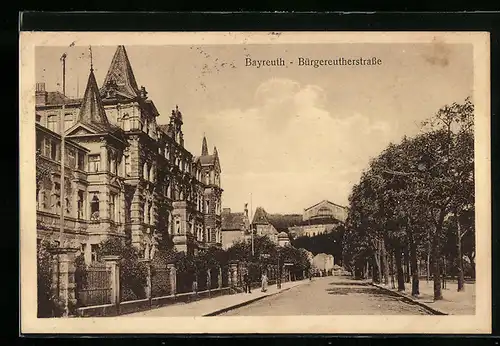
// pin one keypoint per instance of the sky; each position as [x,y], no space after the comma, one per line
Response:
[287,137]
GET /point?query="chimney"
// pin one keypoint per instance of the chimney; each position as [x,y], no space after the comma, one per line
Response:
[246,210]
[40,94]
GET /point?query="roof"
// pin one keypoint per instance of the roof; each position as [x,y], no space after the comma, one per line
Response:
[120,75]
[92,110]
[284,221]
[325,201]
[260,216]
[233,221]
[206,160]
[57,98]
[204,147]
[165,128]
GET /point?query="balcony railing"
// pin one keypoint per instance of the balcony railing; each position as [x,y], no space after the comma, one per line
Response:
[52,221]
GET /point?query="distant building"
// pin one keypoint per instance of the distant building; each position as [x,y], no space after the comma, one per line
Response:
[235,227]
[321,218]
[262,226]
[323,262]
[283,239]
[325,210]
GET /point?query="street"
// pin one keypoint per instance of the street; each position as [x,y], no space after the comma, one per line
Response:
[330,295]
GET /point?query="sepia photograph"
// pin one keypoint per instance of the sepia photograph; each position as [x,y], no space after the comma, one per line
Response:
[219,182]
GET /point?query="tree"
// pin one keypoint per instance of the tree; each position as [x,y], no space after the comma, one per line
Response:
[407,197]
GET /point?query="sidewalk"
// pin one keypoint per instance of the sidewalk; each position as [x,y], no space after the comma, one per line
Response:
[213,306]
[454,303]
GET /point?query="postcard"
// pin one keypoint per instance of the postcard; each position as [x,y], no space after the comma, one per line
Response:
[255,182]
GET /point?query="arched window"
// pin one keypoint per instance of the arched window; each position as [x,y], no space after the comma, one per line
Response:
[146,212]
[145,171]
[177,226]
[151,174]
[207,178]
[126,122]
[94,208]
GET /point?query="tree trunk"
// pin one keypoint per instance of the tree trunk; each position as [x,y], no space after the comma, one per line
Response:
[460,264]
[392,270]
[428,261]
[376,269]
[399,270]
[436,267]
[406,264]
[414,267]
[385,263]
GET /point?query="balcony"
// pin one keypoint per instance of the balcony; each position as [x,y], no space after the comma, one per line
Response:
[49,221]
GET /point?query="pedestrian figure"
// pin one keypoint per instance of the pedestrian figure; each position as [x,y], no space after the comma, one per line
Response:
[264,282]
[195,289]
[246,280]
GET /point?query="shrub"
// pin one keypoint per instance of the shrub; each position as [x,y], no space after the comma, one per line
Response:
[133,274]
[45,302]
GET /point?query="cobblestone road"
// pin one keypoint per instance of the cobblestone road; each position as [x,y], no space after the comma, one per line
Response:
[330,296]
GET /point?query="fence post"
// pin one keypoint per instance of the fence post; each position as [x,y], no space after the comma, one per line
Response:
[148,288]
[233,273]
[63,277]
[113,263]
[172,274]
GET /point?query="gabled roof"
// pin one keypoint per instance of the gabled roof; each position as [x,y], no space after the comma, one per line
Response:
[121,76]
[325,202]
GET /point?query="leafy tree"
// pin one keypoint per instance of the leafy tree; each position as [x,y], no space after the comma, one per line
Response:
[133,274]
[418,192]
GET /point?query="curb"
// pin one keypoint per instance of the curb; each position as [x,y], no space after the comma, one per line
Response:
[410,300]
[239,305]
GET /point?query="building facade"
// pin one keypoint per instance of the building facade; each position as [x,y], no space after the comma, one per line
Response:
[321,218]
[262,226]
[235,227]
[323,262]
[125,175]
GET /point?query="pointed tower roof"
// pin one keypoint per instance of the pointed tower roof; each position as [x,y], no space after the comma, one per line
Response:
[204,147]
[92,110]
[216,153]
[260,216]
[120,75]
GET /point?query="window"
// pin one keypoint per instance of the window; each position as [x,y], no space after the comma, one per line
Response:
[112,162]
[68,120]
[178,226]
[146,212]
[71,157]
[94,163]
[56,202]
[208,207]
[53,151]
[81,161]
[145,171]
[207,178]
[52,122]
[112,206]
[38,118]
[83,248]
[127,166]
[93,252]
[47,147]
[209,235]
[94,208]
[80,204]
[39,144]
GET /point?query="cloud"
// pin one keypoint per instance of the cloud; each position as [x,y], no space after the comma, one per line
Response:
[290,150]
